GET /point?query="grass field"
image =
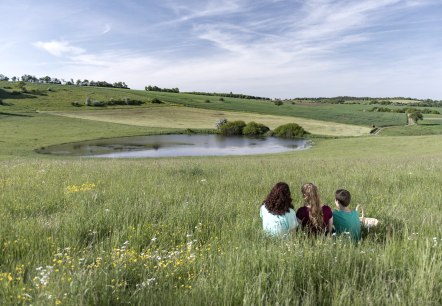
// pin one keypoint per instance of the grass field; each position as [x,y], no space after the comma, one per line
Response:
[431,125]
[61,96]
[185,117]
[186,231]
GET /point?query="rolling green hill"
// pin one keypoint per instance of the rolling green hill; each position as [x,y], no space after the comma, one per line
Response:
[60,97]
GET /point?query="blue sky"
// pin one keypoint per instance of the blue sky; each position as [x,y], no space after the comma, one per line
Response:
[272,48]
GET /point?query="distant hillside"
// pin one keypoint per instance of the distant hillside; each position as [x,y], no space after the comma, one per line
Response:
[30,97]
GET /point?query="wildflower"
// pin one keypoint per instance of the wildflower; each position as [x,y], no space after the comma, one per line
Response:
[79,188]
[154,239]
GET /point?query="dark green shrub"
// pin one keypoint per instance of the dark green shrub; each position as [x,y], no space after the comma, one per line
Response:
[232,128]
[76,104]
[207,101]
[290,130]
[157,101]
[255,129]
[278,102]
[221,99]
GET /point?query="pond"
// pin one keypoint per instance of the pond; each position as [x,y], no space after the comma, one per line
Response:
[175,145]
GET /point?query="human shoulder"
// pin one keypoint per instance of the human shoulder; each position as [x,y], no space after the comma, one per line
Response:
[326,209]
[302,212]
[263,208]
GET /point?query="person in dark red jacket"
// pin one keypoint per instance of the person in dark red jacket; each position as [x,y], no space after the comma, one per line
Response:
[314,217]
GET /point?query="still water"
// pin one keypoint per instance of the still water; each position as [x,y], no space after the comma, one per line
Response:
[176,145]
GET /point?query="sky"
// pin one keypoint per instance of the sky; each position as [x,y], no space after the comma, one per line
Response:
[268,48]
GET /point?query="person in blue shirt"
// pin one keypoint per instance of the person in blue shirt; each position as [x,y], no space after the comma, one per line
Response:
[277,211]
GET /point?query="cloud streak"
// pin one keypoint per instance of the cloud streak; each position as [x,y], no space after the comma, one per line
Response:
[59,48]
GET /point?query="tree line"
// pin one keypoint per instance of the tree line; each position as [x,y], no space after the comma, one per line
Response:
[227,95]
[371,100]
[159,89]
[50,80]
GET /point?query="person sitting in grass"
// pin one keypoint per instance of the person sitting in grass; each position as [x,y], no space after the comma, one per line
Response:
[314,217]
[346,221]
[277,211]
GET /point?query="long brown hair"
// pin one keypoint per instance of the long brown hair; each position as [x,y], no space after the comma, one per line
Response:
[311,198]
[279,200]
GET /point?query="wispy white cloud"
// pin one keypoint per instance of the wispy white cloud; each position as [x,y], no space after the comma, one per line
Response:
[199,9]
[59,48]
[107,29]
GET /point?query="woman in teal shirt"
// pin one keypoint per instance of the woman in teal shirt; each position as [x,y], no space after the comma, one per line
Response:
[277,211]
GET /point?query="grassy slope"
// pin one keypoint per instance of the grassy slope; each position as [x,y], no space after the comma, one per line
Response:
[431,125]
[185,117]
[60,98]
[190,231]
[326,112]
[22,134]
[187,231]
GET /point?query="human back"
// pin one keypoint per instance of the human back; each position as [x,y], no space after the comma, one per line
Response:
[346,221]
[313,216]
[277,211]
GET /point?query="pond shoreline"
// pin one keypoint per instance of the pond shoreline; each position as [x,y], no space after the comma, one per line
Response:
[175,145]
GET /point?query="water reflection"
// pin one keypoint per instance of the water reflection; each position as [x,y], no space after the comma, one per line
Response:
[176,145]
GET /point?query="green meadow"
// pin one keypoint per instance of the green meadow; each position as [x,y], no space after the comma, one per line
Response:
[186,230]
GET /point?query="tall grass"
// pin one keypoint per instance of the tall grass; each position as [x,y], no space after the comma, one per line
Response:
[187,231]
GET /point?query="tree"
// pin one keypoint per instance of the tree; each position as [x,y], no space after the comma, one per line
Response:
[232,128]
[220,122]
[22,86]
[414,117]
[278,102]
[255,129]
[290,130]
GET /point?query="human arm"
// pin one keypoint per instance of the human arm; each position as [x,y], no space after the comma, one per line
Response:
[330,225]
[362,217]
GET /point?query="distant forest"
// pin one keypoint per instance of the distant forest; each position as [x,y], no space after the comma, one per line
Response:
[395,101]
[50,80]
[227,95]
